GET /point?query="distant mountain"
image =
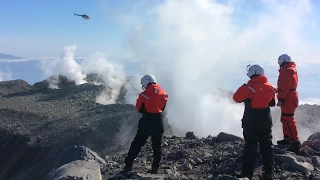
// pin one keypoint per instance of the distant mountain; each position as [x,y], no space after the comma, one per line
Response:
[8,56]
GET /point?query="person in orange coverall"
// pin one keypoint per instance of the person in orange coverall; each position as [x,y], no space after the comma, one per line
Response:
[151,103]
[258,95]
[288,102]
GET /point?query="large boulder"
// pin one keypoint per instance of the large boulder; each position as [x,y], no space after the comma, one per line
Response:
[78,153]
[80,169]
[314,136]
[313,141]
[77,162]
[225,137]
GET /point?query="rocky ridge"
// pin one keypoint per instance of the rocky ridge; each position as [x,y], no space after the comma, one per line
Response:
[41,128]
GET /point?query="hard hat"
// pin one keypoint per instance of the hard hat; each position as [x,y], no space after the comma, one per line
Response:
[255,69]
[145,80]
[284,58]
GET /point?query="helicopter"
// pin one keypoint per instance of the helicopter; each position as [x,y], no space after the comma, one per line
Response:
[84,16]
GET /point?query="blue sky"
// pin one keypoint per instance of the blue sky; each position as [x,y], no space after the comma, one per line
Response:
[192,47]
[43,28]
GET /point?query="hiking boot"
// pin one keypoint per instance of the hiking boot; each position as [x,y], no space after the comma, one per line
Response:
[126,169]
[284,143]
[267,176]
[154,169]
[295,147]
[128,166]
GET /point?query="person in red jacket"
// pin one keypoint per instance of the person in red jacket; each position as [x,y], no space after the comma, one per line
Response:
[258,95]
[288,102]
[151,103]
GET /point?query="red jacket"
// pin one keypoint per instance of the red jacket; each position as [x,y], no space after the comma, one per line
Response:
[152,100]
[287,80]
[258,90]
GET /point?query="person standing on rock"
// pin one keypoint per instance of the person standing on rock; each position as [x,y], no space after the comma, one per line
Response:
[288,102]
[150,103]
[258,96]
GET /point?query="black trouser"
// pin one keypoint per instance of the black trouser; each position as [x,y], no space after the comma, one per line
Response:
[252,138]
[149,125]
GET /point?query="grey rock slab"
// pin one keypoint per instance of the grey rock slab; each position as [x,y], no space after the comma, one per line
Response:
[78,153]
[87,170]
[293,163]
[225,137]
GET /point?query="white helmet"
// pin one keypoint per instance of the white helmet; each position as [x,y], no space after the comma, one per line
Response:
[145,80]
[255,69]
[284,58]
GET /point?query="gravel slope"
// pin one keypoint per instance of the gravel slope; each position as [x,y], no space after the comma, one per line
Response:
[37,123]
[54,119]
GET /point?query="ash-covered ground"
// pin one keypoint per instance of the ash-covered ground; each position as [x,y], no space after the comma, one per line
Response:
[37,124]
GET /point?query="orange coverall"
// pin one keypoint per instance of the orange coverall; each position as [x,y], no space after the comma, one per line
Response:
[288,95]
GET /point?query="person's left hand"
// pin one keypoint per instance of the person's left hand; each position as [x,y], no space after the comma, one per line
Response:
[279,103]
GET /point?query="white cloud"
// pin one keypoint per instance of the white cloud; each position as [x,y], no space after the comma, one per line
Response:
[5,74]
[310,101]
[194,47]
[16,60]
[112,73]
[66,66]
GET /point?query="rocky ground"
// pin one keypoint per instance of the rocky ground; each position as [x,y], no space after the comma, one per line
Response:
[212,158]
[37,124]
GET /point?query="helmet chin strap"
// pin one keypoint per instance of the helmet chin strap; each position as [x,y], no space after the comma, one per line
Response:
[282,64]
